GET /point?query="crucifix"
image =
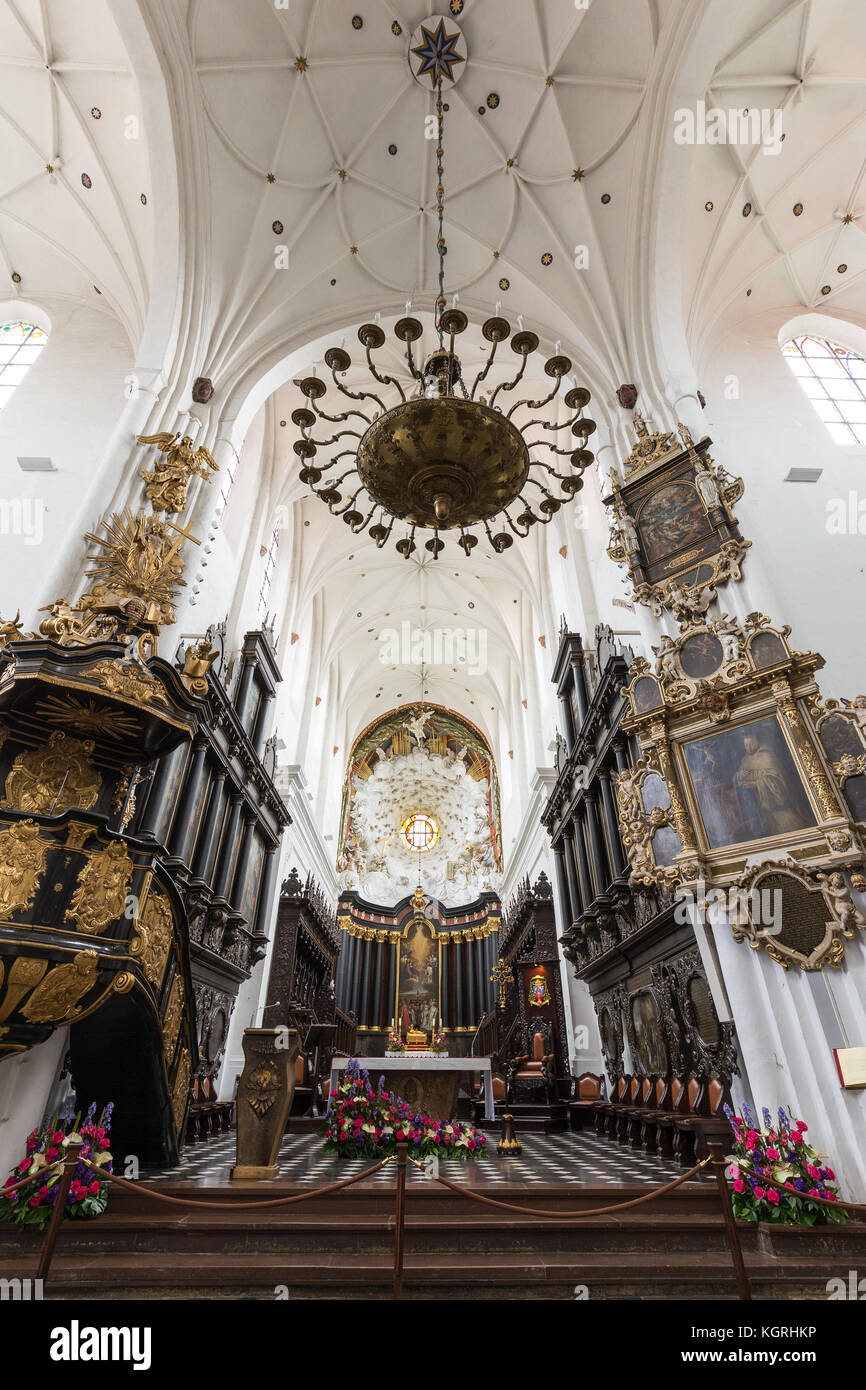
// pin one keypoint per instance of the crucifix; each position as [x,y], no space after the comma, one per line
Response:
[181,537]
[502,975]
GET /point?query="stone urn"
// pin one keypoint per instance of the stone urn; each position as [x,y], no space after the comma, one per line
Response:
[264,1099]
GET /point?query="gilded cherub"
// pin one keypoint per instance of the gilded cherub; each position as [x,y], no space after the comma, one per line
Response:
[167,483]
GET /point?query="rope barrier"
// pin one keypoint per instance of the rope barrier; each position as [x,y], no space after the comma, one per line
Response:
[569,1216]
[237,1206]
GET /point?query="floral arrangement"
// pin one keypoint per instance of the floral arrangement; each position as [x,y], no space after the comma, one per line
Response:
[365,1123]
[46,1151]
[437,1042]
[779,1151]
[395,1042]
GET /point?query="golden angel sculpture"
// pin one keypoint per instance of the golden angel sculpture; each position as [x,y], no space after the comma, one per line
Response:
[167,483]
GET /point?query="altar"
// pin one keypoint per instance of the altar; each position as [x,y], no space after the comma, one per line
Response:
[427,1082]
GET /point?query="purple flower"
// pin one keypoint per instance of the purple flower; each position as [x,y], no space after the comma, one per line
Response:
[748,1116]
[768,1123]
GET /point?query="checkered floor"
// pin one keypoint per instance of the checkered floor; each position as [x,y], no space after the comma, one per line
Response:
[581,1158]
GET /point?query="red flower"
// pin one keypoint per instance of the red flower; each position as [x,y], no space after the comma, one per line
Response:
[24,1165]
[93,1188]
[830,1174]
[759,1192]
[58,1137]
[773,1197]
[52,1154]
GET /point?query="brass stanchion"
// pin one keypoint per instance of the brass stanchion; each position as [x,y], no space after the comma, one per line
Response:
[717,1156]
[52,1230]
[402,1151]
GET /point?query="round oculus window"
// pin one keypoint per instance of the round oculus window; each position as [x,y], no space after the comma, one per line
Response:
[420,832]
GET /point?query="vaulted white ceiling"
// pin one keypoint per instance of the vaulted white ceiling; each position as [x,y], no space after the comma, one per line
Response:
[75,195]
[786,231]
[318,128]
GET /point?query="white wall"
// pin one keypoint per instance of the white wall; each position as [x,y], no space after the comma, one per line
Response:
[65,408]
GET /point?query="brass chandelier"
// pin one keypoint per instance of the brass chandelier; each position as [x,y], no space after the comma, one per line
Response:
[441,459]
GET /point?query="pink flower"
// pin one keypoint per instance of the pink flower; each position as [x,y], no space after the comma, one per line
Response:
[759,1193]
[773,1197]
[24,1165]
[831,1176]
[93,1189]
[58,1137]
[812,1170]
[813,1192]
[772,1153]
[739,1185]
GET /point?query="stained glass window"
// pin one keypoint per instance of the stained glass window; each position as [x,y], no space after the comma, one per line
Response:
[420,832]
[834,379]
[20,345]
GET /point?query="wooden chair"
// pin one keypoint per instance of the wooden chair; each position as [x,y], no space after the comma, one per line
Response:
[705,1121]
[586,1092]
[604,1109]
[537,1065]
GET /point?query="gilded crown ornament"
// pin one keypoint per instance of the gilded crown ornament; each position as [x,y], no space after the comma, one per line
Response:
[442,459]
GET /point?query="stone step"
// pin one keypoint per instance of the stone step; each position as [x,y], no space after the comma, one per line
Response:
[708,1275]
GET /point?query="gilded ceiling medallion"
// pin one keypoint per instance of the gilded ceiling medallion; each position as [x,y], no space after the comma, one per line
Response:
[437,52]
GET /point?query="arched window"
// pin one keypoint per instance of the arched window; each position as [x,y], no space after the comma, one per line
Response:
[270,564]
[20,345]
[834,379]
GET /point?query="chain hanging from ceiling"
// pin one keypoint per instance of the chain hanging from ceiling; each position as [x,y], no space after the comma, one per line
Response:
[442,459]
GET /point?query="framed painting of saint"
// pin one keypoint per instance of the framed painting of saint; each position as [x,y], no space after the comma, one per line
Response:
[672,519]
[418,976]
[747,784]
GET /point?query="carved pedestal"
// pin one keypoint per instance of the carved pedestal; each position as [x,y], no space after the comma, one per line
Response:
[265,1093]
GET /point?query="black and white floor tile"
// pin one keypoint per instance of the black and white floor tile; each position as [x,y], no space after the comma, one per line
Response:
[583,1158]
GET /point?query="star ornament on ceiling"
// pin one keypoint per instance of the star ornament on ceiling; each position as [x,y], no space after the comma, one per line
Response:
[437,54]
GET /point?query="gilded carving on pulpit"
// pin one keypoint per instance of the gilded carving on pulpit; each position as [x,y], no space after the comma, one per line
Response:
[53,777]
[101,892]
[180,1090]
[173,1017]
[155,925]
[23,852]
[10,630]
[56,999]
